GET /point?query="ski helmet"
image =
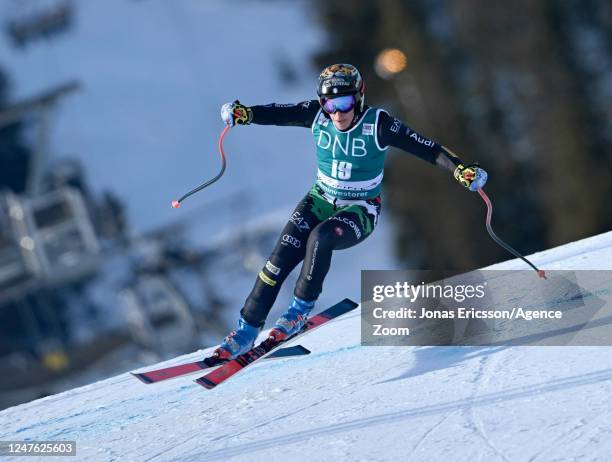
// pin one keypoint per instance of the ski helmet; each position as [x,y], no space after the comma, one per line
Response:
[341,79]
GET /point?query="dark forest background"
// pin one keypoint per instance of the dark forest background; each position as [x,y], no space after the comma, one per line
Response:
[523,87]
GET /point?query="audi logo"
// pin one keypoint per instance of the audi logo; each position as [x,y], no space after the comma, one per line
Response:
[292,240]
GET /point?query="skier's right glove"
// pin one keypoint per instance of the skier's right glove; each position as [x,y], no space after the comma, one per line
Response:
[236,113]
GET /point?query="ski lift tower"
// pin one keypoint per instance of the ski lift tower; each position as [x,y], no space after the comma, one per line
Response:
[41,106]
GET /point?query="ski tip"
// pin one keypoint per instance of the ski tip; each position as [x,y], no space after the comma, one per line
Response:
[290,352]
[350,302]
[340,308]
[142,377]
[176,204]
[302,350]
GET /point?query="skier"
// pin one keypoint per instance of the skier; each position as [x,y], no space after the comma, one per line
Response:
[342,207]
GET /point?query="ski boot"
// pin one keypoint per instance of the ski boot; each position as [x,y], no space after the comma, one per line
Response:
[292,321]
[237,342]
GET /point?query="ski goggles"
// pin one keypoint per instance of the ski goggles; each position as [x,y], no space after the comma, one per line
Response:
[338,104]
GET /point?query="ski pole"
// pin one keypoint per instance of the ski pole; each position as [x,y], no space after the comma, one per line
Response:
[487,201]
[177,203]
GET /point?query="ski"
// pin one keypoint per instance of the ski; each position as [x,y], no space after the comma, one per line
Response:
[159,375]
[268,346]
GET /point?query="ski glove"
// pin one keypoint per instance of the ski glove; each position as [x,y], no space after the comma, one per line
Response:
[236,113]
[471,176]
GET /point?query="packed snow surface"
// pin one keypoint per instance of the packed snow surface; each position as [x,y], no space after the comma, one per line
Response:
[348,402]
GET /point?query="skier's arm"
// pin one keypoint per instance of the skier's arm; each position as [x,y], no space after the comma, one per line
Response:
[297,115]
[393,132]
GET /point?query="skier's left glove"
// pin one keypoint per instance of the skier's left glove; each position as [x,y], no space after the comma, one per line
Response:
[236,113]
[471,176]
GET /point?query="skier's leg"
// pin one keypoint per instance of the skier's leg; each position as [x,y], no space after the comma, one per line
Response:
[346,228]
[288,252]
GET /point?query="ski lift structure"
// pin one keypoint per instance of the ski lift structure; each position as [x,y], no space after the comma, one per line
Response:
[46,237]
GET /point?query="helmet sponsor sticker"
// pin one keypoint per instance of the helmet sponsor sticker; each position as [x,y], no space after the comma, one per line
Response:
[338,83]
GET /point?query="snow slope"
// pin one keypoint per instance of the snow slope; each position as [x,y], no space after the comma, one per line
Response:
[347,402]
